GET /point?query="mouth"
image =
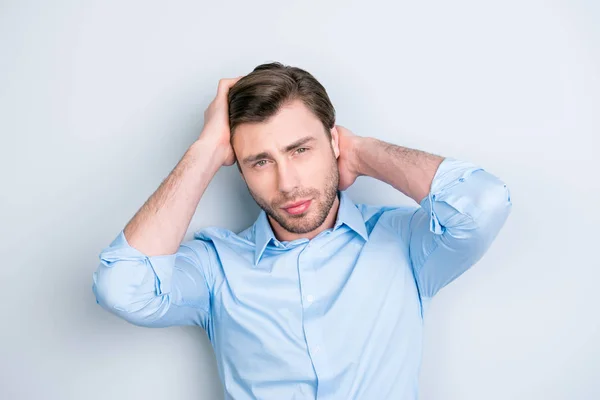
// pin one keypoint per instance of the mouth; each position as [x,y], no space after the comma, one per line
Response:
[298,207]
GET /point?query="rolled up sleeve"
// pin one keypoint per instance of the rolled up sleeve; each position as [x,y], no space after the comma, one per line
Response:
[455,223]
[154,291]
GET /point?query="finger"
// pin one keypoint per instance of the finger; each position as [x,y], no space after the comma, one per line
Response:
[225,84]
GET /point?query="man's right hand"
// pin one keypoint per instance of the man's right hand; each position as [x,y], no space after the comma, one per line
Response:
[216,122]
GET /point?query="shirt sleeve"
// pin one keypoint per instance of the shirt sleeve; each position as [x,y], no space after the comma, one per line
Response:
[455,223]
[155,291]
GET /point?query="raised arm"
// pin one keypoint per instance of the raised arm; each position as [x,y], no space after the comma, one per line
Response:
[146,275]
[461,209]
[160,224]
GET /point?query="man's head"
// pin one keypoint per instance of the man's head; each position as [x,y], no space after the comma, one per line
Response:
[286,145]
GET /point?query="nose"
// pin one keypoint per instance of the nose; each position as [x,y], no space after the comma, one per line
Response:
[288,178]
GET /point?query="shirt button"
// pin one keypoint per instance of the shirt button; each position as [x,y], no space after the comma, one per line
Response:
[317,349]
[310,298]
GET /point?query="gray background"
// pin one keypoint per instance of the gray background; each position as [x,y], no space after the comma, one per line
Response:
[99,100]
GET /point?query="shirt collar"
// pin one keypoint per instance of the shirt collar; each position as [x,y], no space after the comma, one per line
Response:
[348,214]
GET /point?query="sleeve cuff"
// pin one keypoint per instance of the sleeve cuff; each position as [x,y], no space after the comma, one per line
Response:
[441,203]
[162,265]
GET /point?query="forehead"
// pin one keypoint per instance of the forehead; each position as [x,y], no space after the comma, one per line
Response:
[292,122]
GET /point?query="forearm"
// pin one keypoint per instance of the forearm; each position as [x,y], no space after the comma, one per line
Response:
[407,170]
[160,224]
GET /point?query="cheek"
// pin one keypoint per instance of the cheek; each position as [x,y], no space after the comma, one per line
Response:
[317,171]
[261,183]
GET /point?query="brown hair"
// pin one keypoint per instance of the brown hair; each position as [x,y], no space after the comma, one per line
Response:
[259,95]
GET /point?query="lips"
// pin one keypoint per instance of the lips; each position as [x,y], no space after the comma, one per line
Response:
[298,207]
[296,204]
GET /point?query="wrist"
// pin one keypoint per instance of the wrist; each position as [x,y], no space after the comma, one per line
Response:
[209,149]
[359,149]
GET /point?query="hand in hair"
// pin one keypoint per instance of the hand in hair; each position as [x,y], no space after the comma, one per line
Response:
[216,121]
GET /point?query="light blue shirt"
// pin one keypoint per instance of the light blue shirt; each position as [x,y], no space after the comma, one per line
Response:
[339,316]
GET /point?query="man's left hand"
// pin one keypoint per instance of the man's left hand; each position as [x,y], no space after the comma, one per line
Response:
[348,162]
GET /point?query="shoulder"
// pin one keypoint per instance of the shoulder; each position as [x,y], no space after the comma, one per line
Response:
[214,235]
[390,217]
[217,241]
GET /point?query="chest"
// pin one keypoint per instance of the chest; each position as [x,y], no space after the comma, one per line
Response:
[315,281]
[313,309]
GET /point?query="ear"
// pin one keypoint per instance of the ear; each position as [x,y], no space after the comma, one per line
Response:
[335,141]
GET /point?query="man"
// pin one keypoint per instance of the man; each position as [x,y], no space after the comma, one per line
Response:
[320,298]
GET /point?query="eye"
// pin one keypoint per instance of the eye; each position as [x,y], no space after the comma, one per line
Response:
[302,148]
[258,164]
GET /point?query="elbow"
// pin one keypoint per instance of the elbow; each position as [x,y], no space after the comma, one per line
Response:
[491,208]
[116,283]
[126,289]
[475,204]
[108,292]
[474,214]
[494,206]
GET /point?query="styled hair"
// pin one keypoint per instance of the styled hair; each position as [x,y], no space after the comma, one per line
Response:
[263,92]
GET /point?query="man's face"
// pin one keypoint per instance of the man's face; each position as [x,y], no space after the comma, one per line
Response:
[289,159]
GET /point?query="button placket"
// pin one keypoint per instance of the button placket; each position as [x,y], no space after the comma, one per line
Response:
[309,293]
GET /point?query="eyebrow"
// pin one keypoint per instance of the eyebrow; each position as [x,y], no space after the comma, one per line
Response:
[290,147]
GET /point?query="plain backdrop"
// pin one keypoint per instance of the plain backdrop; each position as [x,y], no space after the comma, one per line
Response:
[100,99]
